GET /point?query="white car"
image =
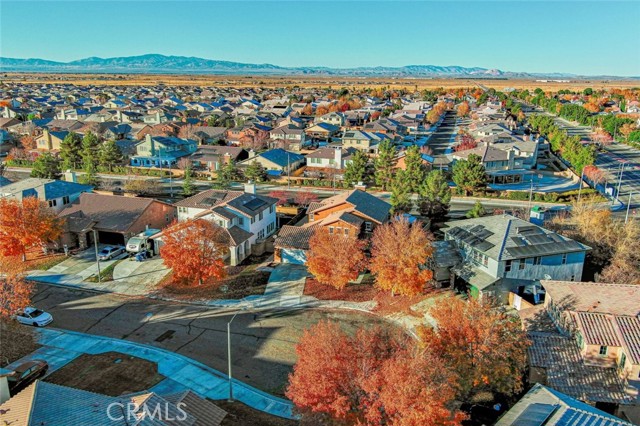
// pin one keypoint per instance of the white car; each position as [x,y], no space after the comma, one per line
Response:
[34,317]
[110,252]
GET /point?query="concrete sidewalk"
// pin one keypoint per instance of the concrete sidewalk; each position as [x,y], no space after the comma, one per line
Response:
[59,347]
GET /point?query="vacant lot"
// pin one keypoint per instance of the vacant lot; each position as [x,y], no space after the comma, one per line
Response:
[110,373]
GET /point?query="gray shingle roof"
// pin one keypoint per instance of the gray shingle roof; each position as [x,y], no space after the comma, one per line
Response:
[44,189]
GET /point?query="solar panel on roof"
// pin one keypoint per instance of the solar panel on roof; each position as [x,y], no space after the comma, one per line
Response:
[572,417]
[535,415]
[538,239]
[518,241]
[484,234]
[528,230]
[484,246]
[254,204]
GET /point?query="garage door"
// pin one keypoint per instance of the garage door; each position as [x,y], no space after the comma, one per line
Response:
[111,238]
[295,256]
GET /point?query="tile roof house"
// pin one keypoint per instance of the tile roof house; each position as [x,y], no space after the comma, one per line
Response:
[330,157]
[158,151]
[592,350]
[44,403]
[213,157]
[248,218]
[354,212]
[276,159]
[56,193]
[546,406]
[363,141]
[114,218]
[501,253]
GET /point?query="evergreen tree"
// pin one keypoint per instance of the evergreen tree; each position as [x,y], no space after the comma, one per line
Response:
[476,211]
[415,171]
[109,155]
[188,188]
[469,175]
[400,194]
[226,175]
[384,164]
[435,195]
[70,150]
[90,144]
[255,172]
[356,170]
[46,166]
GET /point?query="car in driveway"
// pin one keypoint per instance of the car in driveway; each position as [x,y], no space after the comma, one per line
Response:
[34,317]
[109,252]
[25,374]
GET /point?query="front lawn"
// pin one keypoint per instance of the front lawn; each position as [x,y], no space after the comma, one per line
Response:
[109,373]
[16,341]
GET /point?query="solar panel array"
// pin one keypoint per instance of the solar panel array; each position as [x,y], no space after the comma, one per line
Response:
[475,237]
[254,204]
[544,249]
[573,417]
[535,415]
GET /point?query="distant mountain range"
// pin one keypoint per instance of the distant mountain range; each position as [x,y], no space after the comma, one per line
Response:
[155,64]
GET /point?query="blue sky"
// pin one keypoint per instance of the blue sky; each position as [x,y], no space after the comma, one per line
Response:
[583,37]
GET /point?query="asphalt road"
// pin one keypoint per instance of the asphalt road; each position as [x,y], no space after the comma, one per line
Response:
[441,139]
[263,343]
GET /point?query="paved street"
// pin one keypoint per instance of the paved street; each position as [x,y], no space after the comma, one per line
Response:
[263,342]
[443,137]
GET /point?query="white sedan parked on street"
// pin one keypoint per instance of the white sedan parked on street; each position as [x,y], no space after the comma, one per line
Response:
[34,317]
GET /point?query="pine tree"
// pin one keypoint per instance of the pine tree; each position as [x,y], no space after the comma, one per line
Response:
[109,155]
[434,195]
[255,172]
[188,188]
[356,170]
[476,211]
[90,144]
[469,175]
[70,150]
[384,164]
[226,175]
[46,166]
[400,194]
[415,171]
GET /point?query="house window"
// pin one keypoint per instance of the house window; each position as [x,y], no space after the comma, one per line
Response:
[537,260]
[346,231]
[331,229]
[507,266]
[368,226]
[240,220]
[310,217]
[53,203]
[485,260]
[166,218]
[65,200]
[261,215]
[521,264]
[603,350]
[623,360]
[271,208]
[253,219]
[564,258]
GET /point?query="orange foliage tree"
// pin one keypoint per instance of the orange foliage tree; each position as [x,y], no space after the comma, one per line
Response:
[467,335]
[335,259]
[399,252]
[195,250]
[594,174]
[463,109]
[15,291]
[25,224]
[375,377]
[304,198]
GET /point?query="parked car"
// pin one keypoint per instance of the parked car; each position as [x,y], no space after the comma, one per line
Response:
[110,252]
[34,317]
[24,374]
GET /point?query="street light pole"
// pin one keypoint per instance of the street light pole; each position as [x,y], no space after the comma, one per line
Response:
[95,242]
[581,183]
[617,194]
[626,218]
[229,356]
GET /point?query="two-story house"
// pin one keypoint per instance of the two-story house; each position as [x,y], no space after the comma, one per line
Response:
[501,253]
[363,141]
[351,213]
[248,218]
[277,160]
[291,134]
[330,158]
[56,193]
[159,151]
[333,118]
[50,140]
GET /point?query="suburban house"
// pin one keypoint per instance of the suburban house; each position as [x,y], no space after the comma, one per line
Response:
[289,133]
[586,343]
[159,151]
[56,193]
[207,134]
[351,213]
[322,131]
[247,217]
[44,403]
[213,157]
[548,407]
[363,141]
[277,160]
[50,140]
[330,158]
[113,219]
[333,118]
[502,253]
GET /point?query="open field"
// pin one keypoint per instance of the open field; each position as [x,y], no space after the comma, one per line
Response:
[305,81]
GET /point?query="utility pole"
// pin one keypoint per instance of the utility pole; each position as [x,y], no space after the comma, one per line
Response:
[581,183]
[95,242]
[617,194]
[626,218]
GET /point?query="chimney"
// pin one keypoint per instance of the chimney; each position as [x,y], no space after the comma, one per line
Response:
[338,158]
[149,139]
[252,153]
[361,186]
[70,176]
[250,187]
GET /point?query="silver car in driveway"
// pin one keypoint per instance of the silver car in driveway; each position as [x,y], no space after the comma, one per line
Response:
[109,252]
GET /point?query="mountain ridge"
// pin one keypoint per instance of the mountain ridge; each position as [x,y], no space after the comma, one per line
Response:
[154,63]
